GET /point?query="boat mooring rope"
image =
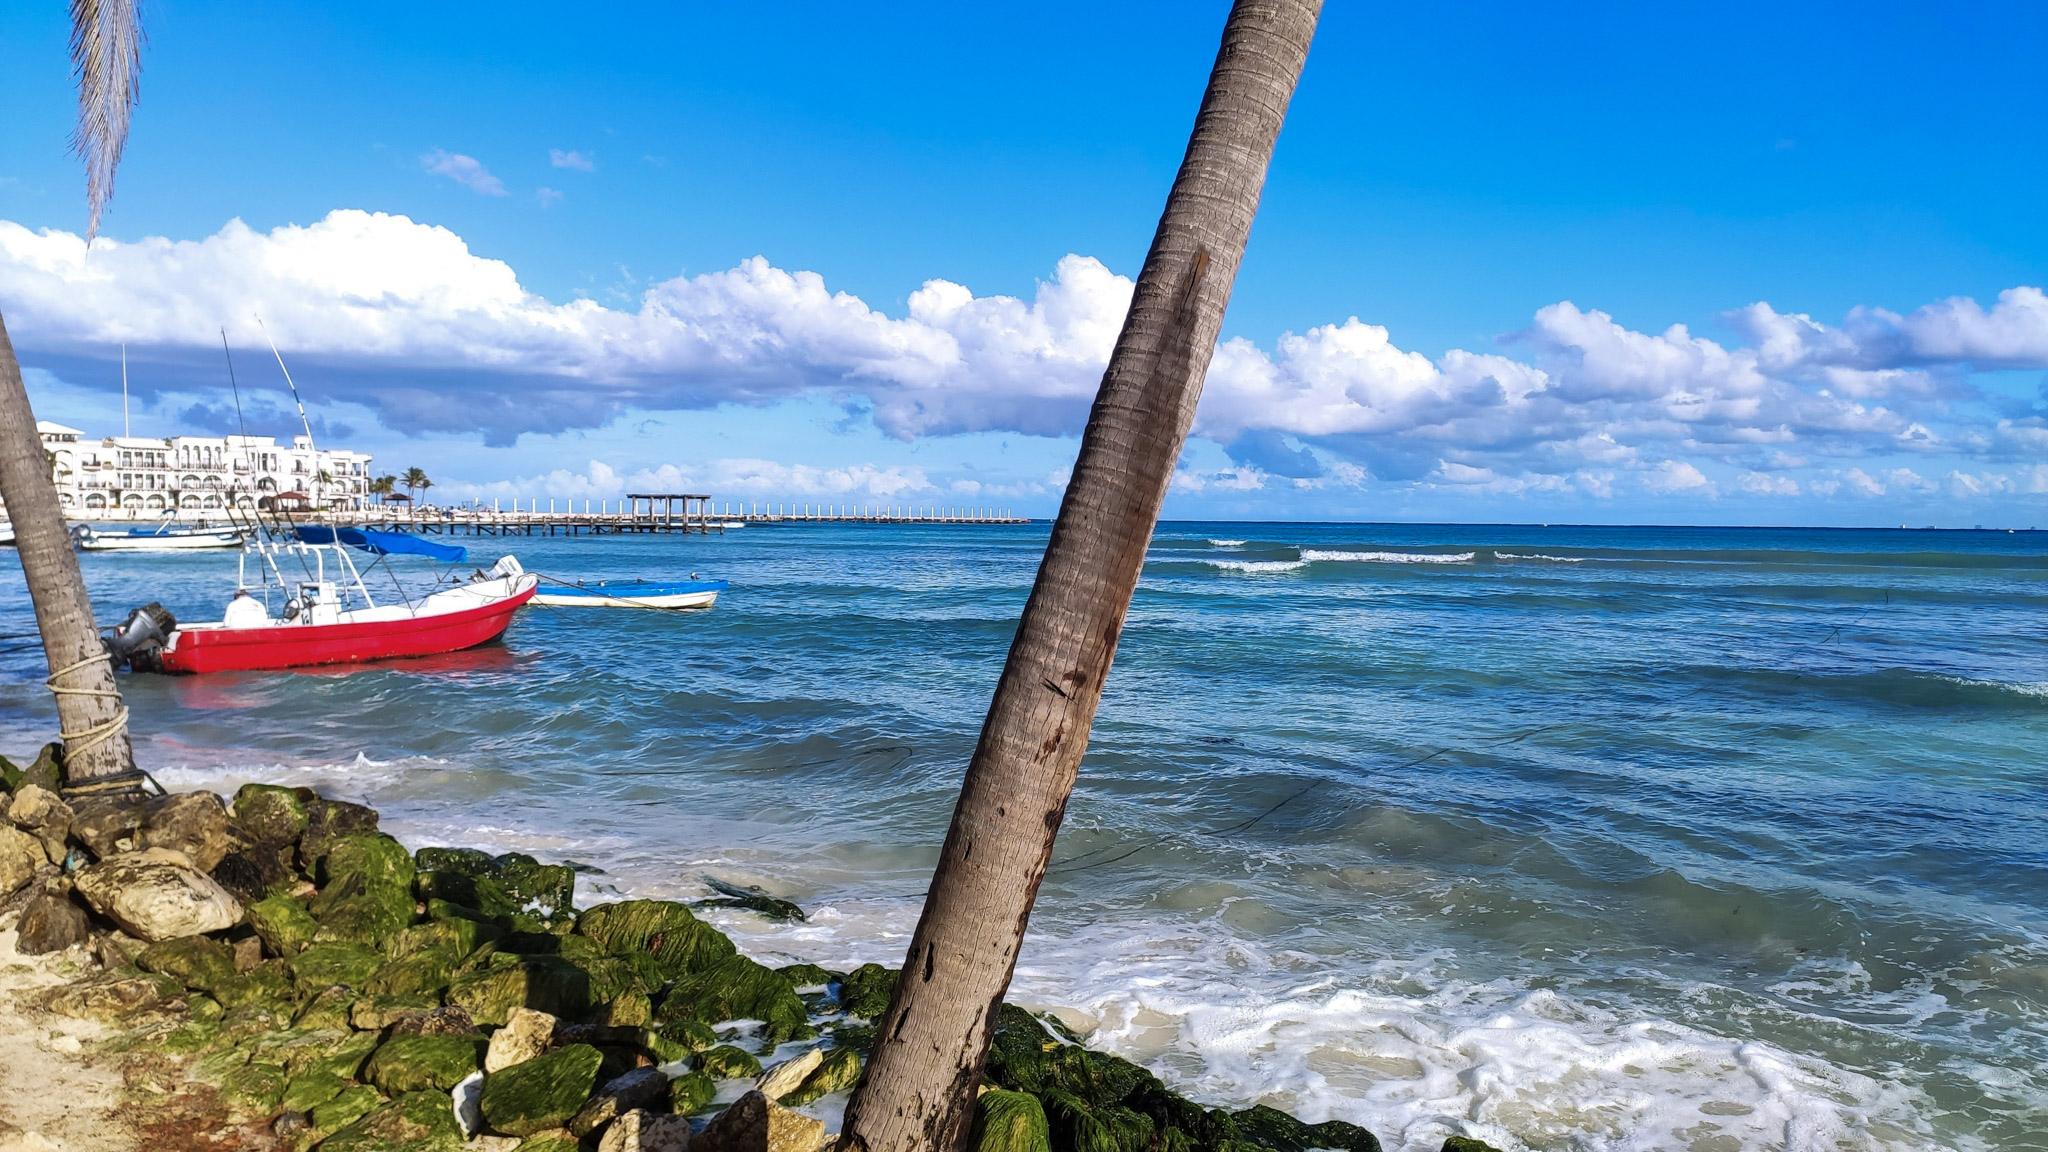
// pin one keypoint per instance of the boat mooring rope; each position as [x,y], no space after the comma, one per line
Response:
[76,742]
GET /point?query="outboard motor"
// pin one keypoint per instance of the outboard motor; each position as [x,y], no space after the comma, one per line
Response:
[137,640]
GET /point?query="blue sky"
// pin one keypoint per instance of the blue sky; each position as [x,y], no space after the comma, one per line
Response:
[1515,203]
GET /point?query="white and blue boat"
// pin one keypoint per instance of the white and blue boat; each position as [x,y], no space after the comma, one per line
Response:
[630,594]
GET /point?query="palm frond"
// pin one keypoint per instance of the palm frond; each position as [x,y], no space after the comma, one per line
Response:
[106,57]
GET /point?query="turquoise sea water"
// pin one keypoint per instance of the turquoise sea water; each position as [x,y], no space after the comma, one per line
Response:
[1587,838]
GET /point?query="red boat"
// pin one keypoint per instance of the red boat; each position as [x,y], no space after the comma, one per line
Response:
[330,621]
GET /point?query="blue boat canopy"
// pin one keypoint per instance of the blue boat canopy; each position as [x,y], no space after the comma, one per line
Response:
[383,543]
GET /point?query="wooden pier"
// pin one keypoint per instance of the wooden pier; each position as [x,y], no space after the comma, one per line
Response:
[652,512]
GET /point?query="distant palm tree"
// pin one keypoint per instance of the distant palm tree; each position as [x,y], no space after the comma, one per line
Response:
[415,481]
[106,55]
[383,486]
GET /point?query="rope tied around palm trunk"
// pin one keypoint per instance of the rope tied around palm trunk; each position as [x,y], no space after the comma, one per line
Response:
[79,741]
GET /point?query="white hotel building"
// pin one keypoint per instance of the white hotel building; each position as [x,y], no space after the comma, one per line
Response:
[143,477]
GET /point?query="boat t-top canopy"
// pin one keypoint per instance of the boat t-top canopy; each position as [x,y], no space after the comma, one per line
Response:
[383,543]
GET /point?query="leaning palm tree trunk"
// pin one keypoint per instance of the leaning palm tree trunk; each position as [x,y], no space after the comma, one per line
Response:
[90,716]
[919,1090]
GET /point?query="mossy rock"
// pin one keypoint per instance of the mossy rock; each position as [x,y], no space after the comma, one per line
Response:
[468,861]
[839,1072]
[1467,1144]
[296,1051]
[203,1010]
[808,975]
[327,822]
[188,1039]
[450,894]
[544,983]
[726,1062]
[269,816]
[416,1063]
[549,1142]
[1272,1128]
[268,986]
[866,990]
[691,1093]
[282,923]
[1009,1122]
[739,989]
[858,1035]
[627,1010]
[335,962]
[688,1036]
[309,1090]
[194,961]
[548,887]
[379,860]
[415,1122]
[327,1008]
[541,1093]
[347,1058]
[348,1106]
[255,1087]
[663,929]
[376,1013]
[424,973]
[458,935]
[259,1017]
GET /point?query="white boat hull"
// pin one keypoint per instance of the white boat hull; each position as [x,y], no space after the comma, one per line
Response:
[670,600]
[158,542]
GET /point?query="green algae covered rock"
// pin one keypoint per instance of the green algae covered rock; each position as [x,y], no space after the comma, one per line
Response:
[415,1122]
[1467,1144]
[268,986]
[726,1062]
[540,1093]
[327,1008]
[458,935]
[1009,1122]
[367,892]
[335,962]
[309,1090]
[426,972]
[282,923]
[348,1106]
[544,983]
[256,1087]
[194,961]
[328,821]
[347,1057]
[449,894]
[691,1093]
[865,991]
[678,941]
[839,1072]
[551,888]
[808,975]
[269,816]
[739,989]
[1272,1128]
[416,1063]
[561,1141]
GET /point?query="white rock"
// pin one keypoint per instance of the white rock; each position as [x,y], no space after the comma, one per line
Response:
[468,1096]
[789,1075]
[641,1131]
[156,894]
[526,1034]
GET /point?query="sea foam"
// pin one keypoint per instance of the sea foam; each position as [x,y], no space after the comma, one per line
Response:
[1338,556]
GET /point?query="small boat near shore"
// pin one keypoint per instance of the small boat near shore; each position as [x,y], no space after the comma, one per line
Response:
[166,537]
[330,617]
[664,594]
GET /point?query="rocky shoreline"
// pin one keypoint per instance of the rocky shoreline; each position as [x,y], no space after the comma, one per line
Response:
[343,993]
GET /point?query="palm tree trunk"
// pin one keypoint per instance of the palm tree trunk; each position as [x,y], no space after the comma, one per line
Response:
[919,1090]
[90,715]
